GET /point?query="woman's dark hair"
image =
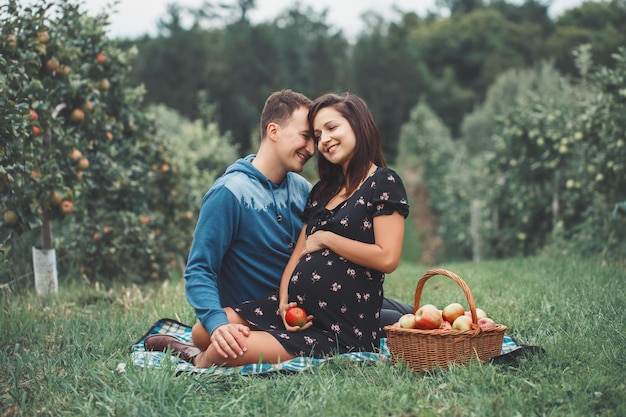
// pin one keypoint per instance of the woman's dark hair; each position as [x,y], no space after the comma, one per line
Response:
[368,145]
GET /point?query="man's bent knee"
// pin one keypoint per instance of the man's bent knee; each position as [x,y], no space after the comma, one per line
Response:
[200,336]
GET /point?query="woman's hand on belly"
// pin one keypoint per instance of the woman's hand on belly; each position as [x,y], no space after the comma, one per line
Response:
[315,242]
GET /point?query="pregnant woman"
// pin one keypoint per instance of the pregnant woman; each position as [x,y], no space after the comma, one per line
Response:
[353,233]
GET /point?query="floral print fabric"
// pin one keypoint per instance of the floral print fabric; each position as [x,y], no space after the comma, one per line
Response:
[343,297]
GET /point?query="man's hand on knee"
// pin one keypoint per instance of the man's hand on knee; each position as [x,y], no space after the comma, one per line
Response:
[230,340]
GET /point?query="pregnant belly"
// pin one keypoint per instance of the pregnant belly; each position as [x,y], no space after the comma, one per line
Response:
[323,281]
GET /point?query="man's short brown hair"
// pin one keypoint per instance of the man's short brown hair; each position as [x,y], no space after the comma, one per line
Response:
[279,107]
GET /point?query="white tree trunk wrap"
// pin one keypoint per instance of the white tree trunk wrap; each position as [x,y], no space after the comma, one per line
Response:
[45,266]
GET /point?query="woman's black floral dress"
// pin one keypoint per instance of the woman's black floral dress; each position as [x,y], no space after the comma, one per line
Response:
[343,297]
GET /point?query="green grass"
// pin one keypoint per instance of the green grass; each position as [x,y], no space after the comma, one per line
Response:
[59,356]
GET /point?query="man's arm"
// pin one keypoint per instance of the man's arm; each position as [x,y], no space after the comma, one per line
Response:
[216,230]
[217,225]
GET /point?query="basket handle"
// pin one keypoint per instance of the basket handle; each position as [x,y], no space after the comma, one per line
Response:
[453,276]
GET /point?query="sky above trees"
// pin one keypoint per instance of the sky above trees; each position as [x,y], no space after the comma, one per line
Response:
[133,18]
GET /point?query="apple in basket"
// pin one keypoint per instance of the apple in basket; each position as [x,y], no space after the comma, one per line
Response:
[462,323]
[486,323]
[445,325]
[452,311]
[407,321]
[427,317]
[480,313]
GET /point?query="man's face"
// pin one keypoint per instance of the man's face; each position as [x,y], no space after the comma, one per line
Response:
[295,144]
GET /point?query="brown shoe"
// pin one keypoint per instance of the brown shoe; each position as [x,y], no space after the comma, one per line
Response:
[161,342]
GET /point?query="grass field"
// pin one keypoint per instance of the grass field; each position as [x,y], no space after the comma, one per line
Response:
[59,356]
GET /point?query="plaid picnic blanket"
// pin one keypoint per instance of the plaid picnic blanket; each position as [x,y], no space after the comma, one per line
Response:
[142,358]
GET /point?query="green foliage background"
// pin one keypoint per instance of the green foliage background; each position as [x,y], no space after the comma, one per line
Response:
[507,125]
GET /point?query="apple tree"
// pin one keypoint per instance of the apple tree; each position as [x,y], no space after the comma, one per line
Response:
[533,150]
[78,150]
[597,183]
[558,166]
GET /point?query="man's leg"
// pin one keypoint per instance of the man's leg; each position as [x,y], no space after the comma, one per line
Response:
[200,336]
[262,347]
[392,310]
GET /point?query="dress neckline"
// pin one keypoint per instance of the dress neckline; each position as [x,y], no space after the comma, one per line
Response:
[342,202]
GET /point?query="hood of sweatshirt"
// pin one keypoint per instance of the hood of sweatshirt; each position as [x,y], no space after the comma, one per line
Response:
[270,196]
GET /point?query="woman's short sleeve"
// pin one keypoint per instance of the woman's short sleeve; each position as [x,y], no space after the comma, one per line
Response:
[388,194]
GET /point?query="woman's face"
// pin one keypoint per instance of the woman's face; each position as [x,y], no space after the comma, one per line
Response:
[335,138]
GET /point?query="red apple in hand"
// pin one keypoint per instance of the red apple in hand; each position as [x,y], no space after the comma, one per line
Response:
[427,317]
[452,311]
[296,316]
[407,321]
[462,323]
[486,323]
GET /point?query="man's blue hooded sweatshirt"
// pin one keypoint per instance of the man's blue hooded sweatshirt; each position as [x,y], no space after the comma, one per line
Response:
[246,232]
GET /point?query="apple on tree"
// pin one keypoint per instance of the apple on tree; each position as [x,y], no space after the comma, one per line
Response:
[77,115]
[66,207]
[33,116]
[103,85]
[55,198]
[75,154]
[427,317]
[83,163]
[11,217]
[52,65]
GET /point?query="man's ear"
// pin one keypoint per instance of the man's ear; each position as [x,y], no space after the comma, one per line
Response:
[272,130]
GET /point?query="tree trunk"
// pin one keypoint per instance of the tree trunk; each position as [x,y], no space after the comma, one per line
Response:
[475,229]
[44,258]
[47,240]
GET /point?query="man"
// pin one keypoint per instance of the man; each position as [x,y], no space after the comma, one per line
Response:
[247,228]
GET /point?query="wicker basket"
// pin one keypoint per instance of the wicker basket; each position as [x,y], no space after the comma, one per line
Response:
[426,349]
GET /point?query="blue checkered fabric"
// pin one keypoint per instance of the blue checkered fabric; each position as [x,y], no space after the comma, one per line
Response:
[142,358]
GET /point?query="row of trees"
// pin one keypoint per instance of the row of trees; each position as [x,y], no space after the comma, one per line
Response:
[546,169]
[447,59]
[540,161]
